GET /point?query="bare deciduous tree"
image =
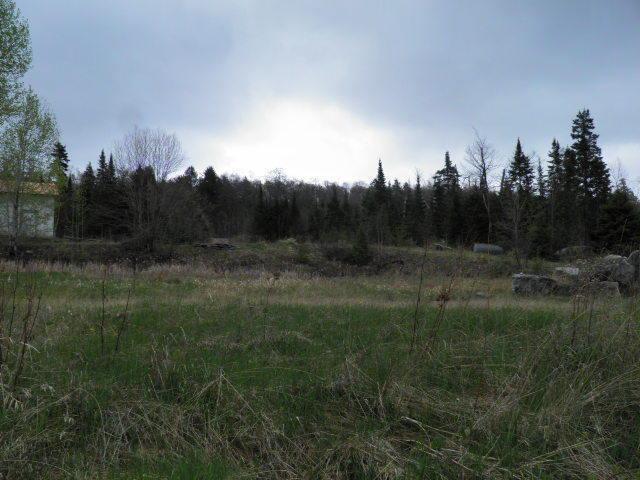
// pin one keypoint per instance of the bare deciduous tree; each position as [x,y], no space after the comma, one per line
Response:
[147,158]
[481,161]
[144,148]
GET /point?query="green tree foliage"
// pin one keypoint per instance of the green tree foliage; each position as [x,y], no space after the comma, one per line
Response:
[620,220]
[25,154]
[592,174]
[360,253]
[85,216]
[446,214]
[15,57]
[416,214]
[521,172]
[60,164]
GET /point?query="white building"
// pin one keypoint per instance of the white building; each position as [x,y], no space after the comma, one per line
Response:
[36,209]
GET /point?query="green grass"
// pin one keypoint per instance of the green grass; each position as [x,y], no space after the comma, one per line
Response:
[251,376]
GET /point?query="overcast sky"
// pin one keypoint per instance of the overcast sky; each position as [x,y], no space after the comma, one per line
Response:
[321,89]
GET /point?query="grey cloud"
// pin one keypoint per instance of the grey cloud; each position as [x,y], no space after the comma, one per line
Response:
[436,69]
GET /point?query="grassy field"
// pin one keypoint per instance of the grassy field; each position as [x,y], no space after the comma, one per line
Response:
[282,373]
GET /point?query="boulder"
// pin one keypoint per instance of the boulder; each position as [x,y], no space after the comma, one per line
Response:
[603,289]
[634,260]
[487,248]
[441,247]
[568,273]
[573,252]
[526,284]
[614,268]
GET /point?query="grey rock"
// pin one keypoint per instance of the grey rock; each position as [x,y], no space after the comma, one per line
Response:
[614,268]
[488,248]
[526,284]
[568,273]
[634,260]
[441,247]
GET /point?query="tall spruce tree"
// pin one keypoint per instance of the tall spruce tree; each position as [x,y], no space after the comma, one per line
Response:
[592,174]
[417,214]
[521,171]
[86,222]
[60,164]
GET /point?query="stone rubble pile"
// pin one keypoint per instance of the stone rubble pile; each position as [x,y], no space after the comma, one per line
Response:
[607,276]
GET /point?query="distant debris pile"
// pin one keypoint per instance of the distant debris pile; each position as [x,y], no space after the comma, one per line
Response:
[217,243]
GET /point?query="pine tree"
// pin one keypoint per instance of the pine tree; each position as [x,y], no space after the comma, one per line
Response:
[65,209]
[60,164]
[260,220]
[620,220]
[346,212]
[208,186]
[106,201]
[380,188]
[521,171]
[541,181]
[456,218]
[555,168]
[295,228]
[86,203]
[438,208]
[361,254]
[59,173]
[445,202]
[592,174]
[335,219]
[396,211]
[417,215]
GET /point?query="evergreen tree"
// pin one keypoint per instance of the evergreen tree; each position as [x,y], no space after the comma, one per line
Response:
[445,202]
[438,208]
[107,211]
[555,168]
[209,188]
[347,212]
[456,217]
[361,254]
[620,220]
[60,164]
[541,181]
[521,171]
[335,219]
[592,174]
[65,209]
[260,220]
[380,188]
[295,227]
[86,194]
[417,215]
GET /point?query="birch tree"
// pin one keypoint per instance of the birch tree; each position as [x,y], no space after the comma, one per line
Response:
[25,155]
[15,57]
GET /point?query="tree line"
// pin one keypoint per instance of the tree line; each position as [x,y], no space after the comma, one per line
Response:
[534,209]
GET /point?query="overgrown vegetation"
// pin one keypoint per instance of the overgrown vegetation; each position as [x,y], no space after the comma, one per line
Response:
[256,374]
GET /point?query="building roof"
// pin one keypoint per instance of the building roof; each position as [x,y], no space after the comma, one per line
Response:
[32,188]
